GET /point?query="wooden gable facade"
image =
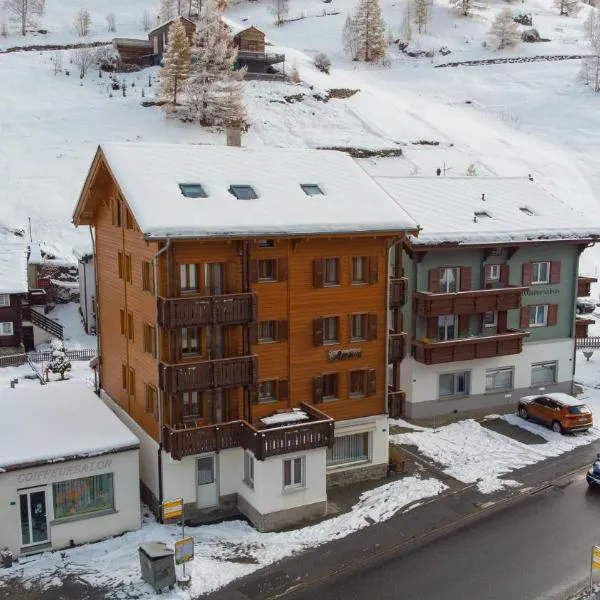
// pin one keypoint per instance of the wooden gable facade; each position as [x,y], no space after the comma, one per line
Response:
[250,40]
[159,36]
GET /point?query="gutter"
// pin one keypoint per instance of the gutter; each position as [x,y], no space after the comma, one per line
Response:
[98,382]
[159,398]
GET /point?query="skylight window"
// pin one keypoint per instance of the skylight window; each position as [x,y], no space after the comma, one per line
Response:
[527,211]
[192,190]
[243,192]
[482,214]
[311,189]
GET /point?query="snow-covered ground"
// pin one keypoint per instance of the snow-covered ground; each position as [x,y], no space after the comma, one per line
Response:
[75,336]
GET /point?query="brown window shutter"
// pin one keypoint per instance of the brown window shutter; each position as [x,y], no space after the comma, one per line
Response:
[318,272]
[552,314]
[432,327]
[282,269]
[253,333]
[465,278]
[317,332]
[555,271]
[373,269]
[525,317]
[253,270]
[120,264]
[527,274]
[463,325]
[502,321]
[434,281]
[283,389]
[504,272]
[317,390]
[371,382]
[372,326]
[282,330]
[486,273]
[254,394]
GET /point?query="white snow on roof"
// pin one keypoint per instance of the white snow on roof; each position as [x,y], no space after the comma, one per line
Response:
[149,176]
[519,210]
[59,420]
[13,268]
[35,254]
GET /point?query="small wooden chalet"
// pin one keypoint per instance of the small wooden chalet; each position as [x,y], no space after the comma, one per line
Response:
[134,52]
[158,37]
[250,44]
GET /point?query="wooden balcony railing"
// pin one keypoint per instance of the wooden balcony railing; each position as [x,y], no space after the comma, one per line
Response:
[396,403]
[398,292]
[264,57]
[433,353]
[581,326]
[196,311]
[397,347]
[584,285]
[316,433]
[220,373]
[428,304]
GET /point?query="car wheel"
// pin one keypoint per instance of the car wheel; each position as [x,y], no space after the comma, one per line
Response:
[523,412]
[556,427]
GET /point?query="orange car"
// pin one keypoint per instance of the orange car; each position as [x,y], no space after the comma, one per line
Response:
[560,411]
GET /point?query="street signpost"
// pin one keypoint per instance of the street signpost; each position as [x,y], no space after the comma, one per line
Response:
[172,509]
[184,552]
[595,564]
[184,548]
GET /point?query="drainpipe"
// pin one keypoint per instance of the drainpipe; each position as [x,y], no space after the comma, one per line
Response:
[157,342]
[97,311]
[387,331]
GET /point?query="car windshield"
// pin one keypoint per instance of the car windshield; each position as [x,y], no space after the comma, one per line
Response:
[580,409]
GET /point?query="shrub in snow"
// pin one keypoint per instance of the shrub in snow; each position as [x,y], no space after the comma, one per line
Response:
[530,36]
[83,59]
[295,76]
[471,170]
[83,22]
[467,7]
[567,8]
[279,9]
[59,363]
[523,19]
[322,62]
[57,61]
[504,30]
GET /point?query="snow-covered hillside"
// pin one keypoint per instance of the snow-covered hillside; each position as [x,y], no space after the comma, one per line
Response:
[511,119]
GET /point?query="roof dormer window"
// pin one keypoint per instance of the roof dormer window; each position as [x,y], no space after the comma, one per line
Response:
[192,190]
[243,192]
[311,189]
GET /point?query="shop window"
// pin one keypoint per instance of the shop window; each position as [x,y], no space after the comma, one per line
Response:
[83,496]
[348,449]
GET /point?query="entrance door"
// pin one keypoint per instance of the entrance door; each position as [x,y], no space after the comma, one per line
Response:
[206,482]
[34,517]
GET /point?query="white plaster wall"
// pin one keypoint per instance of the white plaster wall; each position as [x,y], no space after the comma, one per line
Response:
[40,336]
[124,466]
[268,494]
[87,286]
[148,466]
[421,381]
[231,471]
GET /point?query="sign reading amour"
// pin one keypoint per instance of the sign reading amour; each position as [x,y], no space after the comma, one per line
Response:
[65,471]
[546,292]
[344,354]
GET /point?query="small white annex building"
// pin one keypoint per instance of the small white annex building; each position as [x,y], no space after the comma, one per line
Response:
[87,292]
[69,469]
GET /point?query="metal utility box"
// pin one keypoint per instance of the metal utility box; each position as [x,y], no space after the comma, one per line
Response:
[157,563]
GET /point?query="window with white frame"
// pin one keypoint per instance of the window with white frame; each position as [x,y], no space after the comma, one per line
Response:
[490,319]
[455,384]
[447,327]
[293,472]
[499,380]
[7,328]
[449,280]
[4,300]
[540,272]
[349,449]
[493,273]
[544,372]
[538,315]
[82,496]
[248,468]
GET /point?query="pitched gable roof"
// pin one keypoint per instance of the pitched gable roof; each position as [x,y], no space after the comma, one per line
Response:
[167,23]
[13,268]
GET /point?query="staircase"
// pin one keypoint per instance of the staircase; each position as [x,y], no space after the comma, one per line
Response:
[43,322]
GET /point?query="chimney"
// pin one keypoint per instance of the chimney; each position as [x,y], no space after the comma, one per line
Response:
[234,133]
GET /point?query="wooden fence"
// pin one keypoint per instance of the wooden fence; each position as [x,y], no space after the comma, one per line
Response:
[16,360]
[587,342]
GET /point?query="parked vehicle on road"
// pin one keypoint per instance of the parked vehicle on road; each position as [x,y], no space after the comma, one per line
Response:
[585,305]
[593,474]
[561,412]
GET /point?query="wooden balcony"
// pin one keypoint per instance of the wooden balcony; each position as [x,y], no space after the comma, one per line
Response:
[584,285]
[267,58]
[220,373]
[318,432]
[581,326]
[396,403]
[197,311]
[427,304]
[398,292]
[502,344]
[397,347]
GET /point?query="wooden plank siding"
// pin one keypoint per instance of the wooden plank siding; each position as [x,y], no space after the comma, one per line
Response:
[12,314]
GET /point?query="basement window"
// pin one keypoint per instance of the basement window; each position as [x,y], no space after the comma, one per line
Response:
[311,189]
[527,211]
[243,192]
[482,214]
[192,190]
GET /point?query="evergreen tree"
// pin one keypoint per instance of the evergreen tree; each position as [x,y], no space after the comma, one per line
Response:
[504,30]
[59,363]
[176,63]
[567,8]
[421,14]
[214,90]
[349,39]
[370,31]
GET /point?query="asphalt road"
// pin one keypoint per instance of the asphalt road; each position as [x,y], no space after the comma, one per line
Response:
[537,550]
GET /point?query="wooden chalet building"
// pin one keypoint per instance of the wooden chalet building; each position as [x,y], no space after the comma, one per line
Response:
[242,320]
[159,36]
[13,295]
[492,285]
[252,54]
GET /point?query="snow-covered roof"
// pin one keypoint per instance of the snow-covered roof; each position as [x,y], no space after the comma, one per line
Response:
[35,254]
[149,176]
[177,18]
[454,209]
[62,419]
[13,268]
